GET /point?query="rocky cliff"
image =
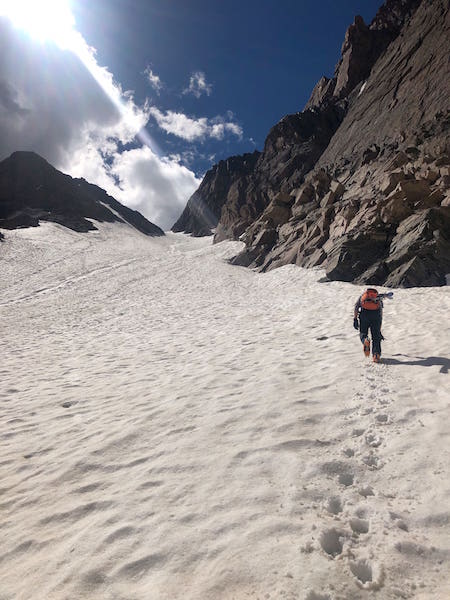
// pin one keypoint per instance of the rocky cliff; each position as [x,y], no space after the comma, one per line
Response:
[358,182]
[31,190]
[224,183]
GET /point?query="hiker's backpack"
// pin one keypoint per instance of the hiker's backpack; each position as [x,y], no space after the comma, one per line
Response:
[370,300]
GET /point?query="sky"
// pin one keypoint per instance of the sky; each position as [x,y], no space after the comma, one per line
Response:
[142,97]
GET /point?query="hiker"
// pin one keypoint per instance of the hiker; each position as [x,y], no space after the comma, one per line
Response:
[369,310]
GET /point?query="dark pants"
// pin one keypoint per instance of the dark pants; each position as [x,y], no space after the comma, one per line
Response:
[371,319]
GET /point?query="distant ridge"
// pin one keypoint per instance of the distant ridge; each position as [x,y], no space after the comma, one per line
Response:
[32,190]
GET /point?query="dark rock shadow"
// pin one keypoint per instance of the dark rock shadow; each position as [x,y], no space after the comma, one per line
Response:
[430,361]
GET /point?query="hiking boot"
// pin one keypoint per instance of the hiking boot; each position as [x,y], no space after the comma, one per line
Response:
[376,358]
[366,347]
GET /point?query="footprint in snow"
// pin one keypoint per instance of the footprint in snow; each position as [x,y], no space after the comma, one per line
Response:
[359,525]
[399,522]
[372,461]
[346,479]
[68,404]
[373,440]
[357,432]
[383,419]
[312,595]
[384,401]
[369,576]
[334,505]
[366,491]
[331,542]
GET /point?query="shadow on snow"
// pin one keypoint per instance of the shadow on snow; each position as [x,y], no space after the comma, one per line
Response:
[430,361]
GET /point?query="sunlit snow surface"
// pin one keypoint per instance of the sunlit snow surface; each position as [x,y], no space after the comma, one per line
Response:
[173,427]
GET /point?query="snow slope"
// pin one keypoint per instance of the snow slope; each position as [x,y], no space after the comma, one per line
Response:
[173,427]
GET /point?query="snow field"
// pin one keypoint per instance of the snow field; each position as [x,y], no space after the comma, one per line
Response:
[177,428]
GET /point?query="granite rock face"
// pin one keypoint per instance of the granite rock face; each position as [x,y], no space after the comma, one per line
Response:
[223,183]
[361,48]
[291,149]
[359,182]
[31,190]
[235,192]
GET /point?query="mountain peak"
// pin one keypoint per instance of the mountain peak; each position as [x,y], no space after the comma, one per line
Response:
[32,190]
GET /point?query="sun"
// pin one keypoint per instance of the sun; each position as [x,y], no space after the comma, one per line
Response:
[45,20]
[53,21]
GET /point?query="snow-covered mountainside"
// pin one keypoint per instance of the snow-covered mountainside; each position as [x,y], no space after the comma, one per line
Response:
[174,427]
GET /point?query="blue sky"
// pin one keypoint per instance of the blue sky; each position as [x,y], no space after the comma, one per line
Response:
[206,79]
[262,58]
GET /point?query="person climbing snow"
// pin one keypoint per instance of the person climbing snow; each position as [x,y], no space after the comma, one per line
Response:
[369,315]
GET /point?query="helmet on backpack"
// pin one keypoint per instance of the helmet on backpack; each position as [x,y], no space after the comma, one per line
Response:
[370,300]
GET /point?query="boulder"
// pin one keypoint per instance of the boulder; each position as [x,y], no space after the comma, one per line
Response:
[411,189]
[335,192]
[305,194]
[391,181]
[431,175]
[370,154]
[327,200]
[266,237]
[322,181]
[417,272]
[396,209]
[443,160]
[376,274]
[434,199]
[277,213]
[245,258]
[420,251]
[351,256]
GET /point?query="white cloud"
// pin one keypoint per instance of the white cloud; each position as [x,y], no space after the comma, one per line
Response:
[190,129]
[181,125]
[156,187]
[160,187]
[71,111]
[154,80]
[198,85]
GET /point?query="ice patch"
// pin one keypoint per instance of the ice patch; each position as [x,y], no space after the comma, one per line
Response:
[363,87]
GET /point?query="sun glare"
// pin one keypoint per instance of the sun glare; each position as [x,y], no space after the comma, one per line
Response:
[53,21]
[45,20]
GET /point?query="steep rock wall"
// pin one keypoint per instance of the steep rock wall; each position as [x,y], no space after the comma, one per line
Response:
[358,182]
[383,178]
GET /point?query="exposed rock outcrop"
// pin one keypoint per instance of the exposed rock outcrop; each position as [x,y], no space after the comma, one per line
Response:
[292,148]
[359,182]
[351,223]
[31,190]
[203,210]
